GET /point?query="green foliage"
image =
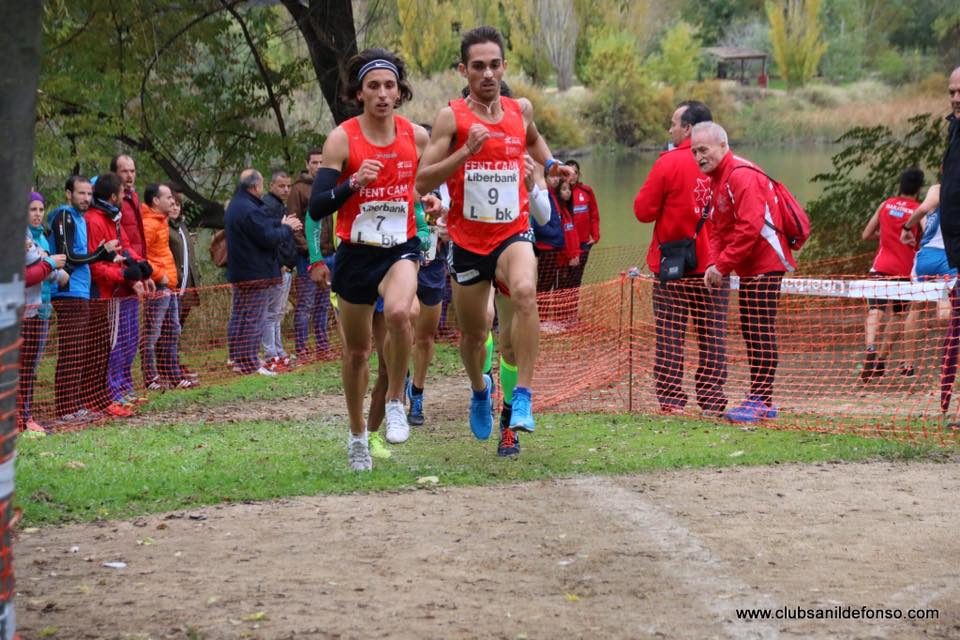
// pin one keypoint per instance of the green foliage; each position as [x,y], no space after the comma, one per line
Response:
[865,173]
[795,36]
[846,56]
[428,42]
[129,472]
[559,129]
[715,16]
[678,60]
[193,91]
[522,33]
[626,107]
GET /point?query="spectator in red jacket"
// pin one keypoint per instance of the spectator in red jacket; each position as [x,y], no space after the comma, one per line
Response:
[586,217]
[745,239]
[128,275]
[674,198]
[124,351]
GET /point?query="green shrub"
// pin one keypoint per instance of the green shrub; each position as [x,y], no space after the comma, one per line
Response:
[559,129]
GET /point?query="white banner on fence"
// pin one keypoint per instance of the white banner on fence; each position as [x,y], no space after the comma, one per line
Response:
[876,289]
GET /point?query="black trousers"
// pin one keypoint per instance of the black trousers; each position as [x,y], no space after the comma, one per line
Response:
[674,303]
[759,297]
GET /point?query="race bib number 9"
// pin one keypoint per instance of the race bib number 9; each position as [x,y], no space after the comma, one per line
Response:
[381,223]
[491,195]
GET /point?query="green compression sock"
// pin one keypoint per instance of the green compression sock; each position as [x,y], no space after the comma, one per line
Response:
[489,361]
[508,380]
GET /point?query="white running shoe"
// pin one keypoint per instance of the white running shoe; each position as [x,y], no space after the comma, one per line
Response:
[266,372]
[358,453]
[398,430]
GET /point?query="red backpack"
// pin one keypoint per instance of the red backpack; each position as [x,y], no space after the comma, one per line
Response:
[794,221]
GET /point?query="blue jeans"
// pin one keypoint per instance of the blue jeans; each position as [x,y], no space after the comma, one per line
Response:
[127,325]
[312,307]
[272,335]
[161,340]
[247,320]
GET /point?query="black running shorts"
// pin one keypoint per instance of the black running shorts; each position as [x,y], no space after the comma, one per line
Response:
[359,269]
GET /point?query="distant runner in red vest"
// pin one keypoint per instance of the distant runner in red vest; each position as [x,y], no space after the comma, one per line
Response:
[369,165]
[477,148]
[894,261]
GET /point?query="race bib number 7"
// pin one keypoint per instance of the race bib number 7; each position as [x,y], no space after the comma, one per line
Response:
[491,195]
[381,223]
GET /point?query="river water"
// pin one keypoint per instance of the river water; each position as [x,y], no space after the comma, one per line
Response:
[616,178]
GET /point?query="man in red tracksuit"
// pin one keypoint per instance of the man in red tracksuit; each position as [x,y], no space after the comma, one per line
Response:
[128,276]
[674,198]
[745,239]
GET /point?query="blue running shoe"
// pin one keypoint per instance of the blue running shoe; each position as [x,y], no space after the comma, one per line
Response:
[521,417]
[415,414]
[751,410]
[481,418]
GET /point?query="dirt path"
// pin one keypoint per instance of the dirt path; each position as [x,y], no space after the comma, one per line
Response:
[668,555]
[447,400]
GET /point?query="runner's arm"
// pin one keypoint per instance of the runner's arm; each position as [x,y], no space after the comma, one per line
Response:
[537,146]
[327,196]
[872,230]
[437,163]
[930,202]
[540,205]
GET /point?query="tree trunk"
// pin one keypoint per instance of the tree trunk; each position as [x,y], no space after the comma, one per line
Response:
[331,36]
[20,51]
[559,29]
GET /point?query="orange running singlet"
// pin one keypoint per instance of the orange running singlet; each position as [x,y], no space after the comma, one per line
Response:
[488,200]
[381,213]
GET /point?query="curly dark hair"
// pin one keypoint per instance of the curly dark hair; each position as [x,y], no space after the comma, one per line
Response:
[351,83]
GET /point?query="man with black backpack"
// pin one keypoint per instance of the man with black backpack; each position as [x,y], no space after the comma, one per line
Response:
[674,197]
[756,224]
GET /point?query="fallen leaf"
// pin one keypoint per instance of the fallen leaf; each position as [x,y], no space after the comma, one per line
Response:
[115,565]
[737,454]
[31,530]
[162,525]
[212,600]
[146,542]
[255,617]
[48,632]
[75,464]
[428,480]
[84,588]
[572,597]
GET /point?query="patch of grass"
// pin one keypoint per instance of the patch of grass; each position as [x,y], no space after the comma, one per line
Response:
[321,377]
[125,472]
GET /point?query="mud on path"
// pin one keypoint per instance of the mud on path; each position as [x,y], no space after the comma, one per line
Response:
[666,555]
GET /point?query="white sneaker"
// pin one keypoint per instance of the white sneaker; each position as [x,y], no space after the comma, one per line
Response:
[266,372]
[398,430]
[358,453]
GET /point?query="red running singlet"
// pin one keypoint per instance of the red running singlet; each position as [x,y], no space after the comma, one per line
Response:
[488,200]
[381,213]
[893,257]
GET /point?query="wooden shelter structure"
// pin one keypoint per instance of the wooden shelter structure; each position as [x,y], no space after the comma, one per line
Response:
[728,59]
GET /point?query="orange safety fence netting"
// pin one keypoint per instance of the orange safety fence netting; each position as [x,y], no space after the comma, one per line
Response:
[603,347]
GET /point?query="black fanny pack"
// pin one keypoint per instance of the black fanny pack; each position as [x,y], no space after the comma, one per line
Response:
[679,257]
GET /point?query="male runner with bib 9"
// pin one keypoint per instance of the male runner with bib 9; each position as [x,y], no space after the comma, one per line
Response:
[477,147]
[369,165]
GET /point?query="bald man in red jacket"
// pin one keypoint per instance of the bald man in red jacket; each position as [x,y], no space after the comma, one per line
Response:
[746,239]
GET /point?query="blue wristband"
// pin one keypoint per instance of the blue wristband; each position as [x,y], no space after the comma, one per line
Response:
[549,165]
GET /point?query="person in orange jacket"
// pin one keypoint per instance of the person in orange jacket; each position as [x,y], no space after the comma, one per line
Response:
[161,337]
